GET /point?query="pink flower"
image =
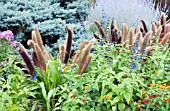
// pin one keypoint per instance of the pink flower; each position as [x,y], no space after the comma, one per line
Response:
[13,44]
[2,63]
[7,34]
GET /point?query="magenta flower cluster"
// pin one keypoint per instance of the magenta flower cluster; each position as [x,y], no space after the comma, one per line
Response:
[7,35]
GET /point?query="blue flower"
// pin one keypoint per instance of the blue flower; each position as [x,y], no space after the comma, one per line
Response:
[133,66]
[136,42]
[34,77]
[132,56]
[134,48]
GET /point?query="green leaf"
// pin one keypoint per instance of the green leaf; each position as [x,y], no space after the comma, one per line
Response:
[114,108]
[43,90]
[104,83]
[50,94]
[34,105]
[115,100]
[127,96]
[121,106]
[104,91]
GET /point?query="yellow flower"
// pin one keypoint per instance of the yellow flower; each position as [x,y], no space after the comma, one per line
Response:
[68,64]
[86,87]
[71,93]
[102,97]
[164,84]
[162,87]
[153,85]
[121,45]
[107,96]
[66,68]
[169,87]
[153,104]
[156,72]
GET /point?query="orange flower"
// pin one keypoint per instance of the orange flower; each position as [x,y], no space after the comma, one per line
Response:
[143,62]
[153,104]
[143,93]
[66,68]
[139,101]
[107,96]
[86,87]
[152,38]
[165,99]
[73,95]
[143,89]
[138,106]
[102,97]
[160,39]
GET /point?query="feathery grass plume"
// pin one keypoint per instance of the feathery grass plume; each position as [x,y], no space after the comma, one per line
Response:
[144,42]
[39,39]
[31,43]
[166,28]
[158,24]
[68,45]
[144,26]
[47,55]
[116,35]
[153,29]
[162,18]
[82,45]
[158,32]
[27,61]
[130,37]
[35,59]
[96,37]
[62,52]
[40,57]
[22,48]
[84,56]
[165,39]
[87,62]
[125,32]
[138,29]
[33,36]
[101,30]
[138,37]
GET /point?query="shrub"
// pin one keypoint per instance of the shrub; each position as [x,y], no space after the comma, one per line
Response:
[50,17]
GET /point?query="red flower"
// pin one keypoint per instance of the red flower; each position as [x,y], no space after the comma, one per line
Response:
[143,96]
[143,77]
[83,100]
[149,83]
[150,96]
[145,101]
